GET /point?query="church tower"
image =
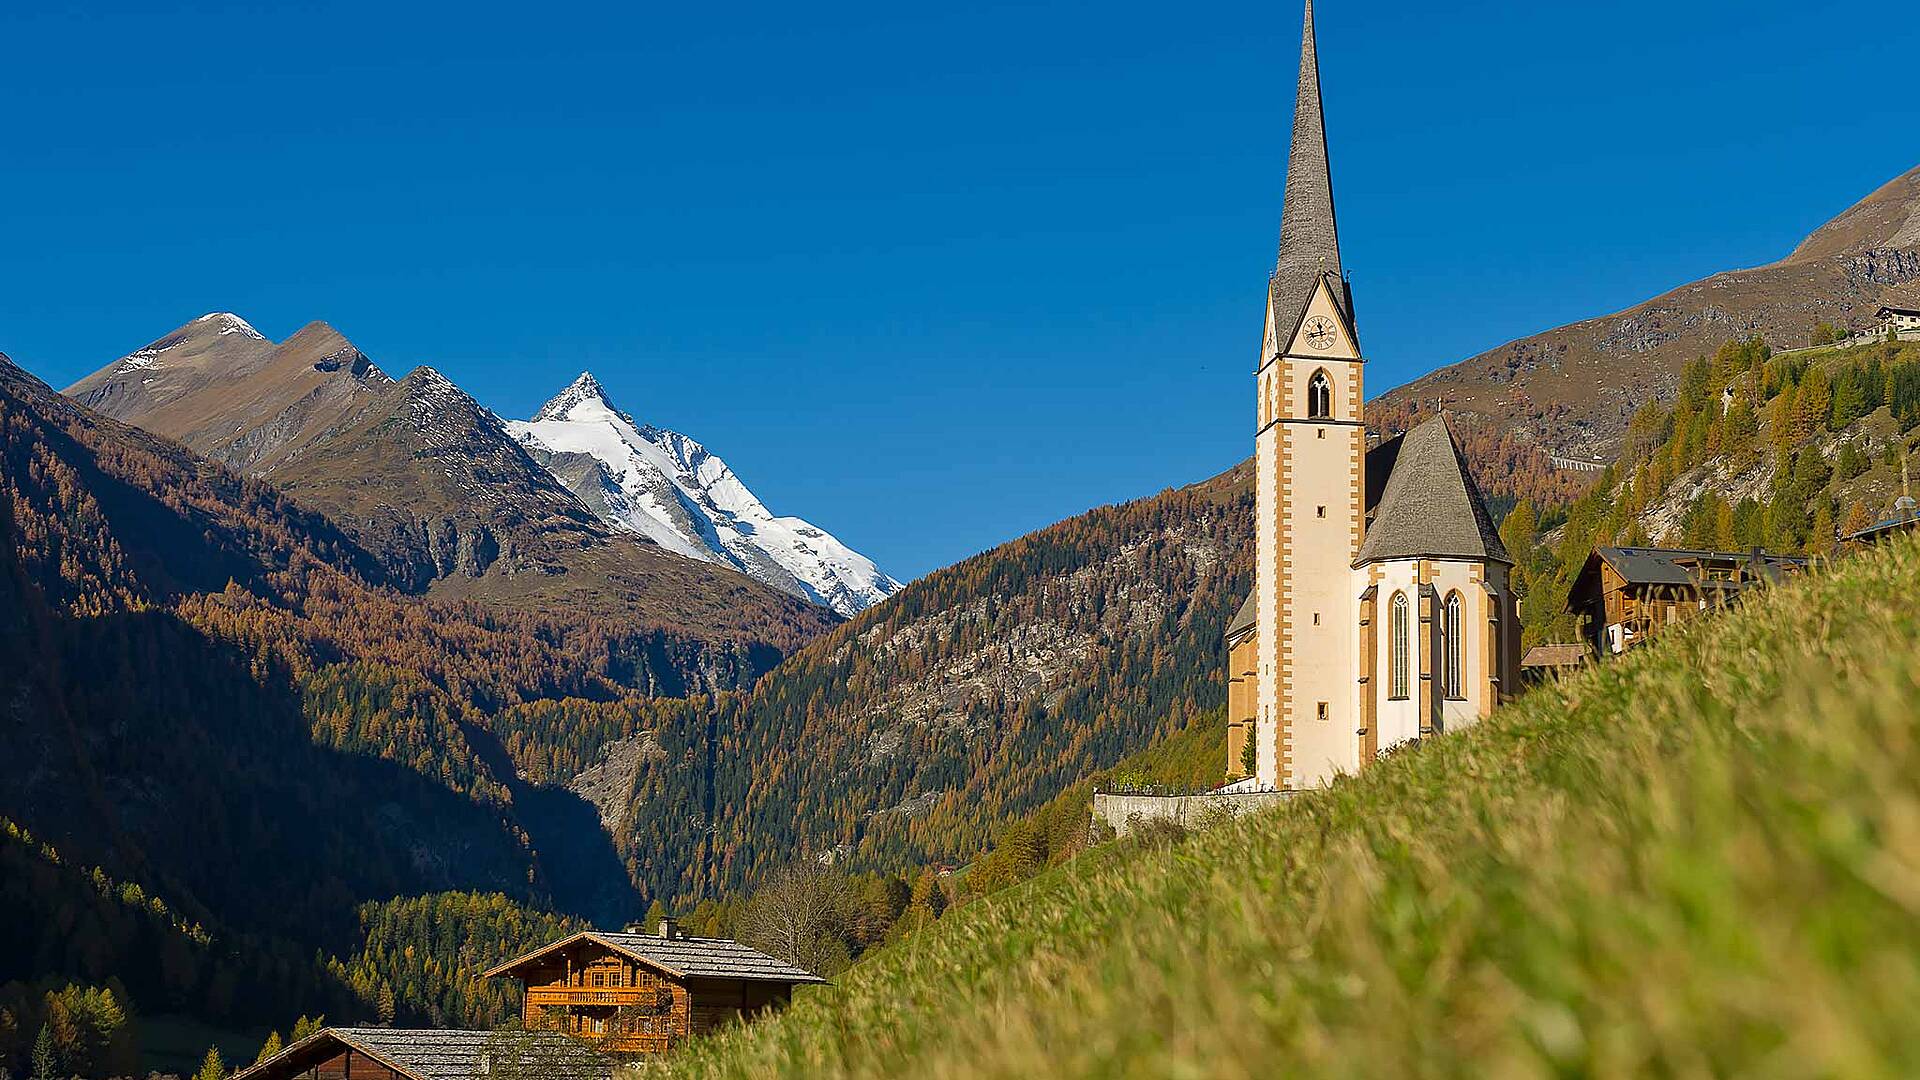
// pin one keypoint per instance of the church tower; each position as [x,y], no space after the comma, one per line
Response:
[1310,486]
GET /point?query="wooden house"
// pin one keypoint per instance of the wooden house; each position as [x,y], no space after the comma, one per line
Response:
[635,993]
[402,1054]
[1624,596]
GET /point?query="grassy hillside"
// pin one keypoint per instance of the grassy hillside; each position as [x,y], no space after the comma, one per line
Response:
[1703,859]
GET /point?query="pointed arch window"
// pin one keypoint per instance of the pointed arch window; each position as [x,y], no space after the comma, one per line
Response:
[1451,622]
[1397,647]
[1320,396]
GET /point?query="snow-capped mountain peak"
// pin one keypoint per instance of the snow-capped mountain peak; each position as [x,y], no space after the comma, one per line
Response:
[669,488]
[584,393]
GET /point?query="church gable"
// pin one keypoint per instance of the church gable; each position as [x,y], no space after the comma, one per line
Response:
[1323,330]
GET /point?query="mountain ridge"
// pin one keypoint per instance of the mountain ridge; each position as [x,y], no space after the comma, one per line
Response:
[669,488]
[1571,389]
[429,481]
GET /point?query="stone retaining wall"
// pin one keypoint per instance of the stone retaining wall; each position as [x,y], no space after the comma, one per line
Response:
[1120,811]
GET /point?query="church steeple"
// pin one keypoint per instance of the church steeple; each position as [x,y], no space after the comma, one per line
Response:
[1309,241]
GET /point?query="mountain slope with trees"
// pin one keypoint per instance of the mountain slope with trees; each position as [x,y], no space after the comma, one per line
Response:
[214,699]
[910,735]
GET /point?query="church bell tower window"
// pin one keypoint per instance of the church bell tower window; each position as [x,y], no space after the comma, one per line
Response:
[1319,396]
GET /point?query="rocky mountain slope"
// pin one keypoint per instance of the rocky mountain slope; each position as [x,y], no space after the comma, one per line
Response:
[668,488]
[429,481]
[1572,389]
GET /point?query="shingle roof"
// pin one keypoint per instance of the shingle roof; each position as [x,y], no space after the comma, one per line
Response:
[1431,508]
[1554,655]
[687,957]
[436,1054]
[1242,621]
[1668,566]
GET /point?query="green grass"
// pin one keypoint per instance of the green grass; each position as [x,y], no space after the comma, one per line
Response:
[1701,860]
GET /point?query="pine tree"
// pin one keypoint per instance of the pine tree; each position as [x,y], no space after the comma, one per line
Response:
[306,1026]
[212,1067]
[269,1048]
[386,1005]
[1821,540]
[656,912]
[44,1066]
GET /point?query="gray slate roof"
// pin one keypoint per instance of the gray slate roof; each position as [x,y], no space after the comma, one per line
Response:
[1559,654]
[1431,508]
[435,1054]
[687,957]
[1669,566]
[1243,621]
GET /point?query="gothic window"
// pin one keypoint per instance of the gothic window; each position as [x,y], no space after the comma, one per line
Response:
[1397,647]
[1450,648]
[1319,396]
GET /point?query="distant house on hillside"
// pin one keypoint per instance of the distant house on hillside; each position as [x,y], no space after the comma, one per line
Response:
[1896,319]
[634,993]
[402,1054]
[1626,595]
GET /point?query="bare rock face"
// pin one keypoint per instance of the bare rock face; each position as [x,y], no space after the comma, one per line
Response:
[1575,387]
[608,783]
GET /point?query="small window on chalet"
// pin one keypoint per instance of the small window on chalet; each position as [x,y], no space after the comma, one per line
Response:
[615,978]
[1319,396]
[599,978]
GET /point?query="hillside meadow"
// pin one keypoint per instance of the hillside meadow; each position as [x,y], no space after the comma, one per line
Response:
[1703,859]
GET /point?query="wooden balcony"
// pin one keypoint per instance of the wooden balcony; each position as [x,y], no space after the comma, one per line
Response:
[592,995]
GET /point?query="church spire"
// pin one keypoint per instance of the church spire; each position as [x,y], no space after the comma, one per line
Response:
[1309,243]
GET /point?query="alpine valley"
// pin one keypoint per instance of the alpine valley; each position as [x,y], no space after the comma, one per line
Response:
[320,687]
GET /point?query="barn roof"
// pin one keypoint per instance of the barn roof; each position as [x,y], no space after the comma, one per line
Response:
[437,1054]
[685,957]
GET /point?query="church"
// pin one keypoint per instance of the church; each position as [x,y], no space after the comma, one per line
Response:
[1381,611]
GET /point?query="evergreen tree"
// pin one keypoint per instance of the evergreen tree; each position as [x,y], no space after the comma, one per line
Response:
[655,913]
[45,1064]
[269,1048]
[306,1026]
[212,1067]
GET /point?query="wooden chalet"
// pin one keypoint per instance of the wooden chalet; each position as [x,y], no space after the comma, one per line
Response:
[1626,595]
[403,1054]
[634,993]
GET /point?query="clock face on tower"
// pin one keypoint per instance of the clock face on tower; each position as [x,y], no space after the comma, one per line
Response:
[1320,332]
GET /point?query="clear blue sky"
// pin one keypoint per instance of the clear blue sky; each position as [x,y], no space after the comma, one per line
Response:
[932,275]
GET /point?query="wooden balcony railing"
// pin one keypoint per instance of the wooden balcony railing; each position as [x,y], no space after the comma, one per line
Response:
[592,995]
